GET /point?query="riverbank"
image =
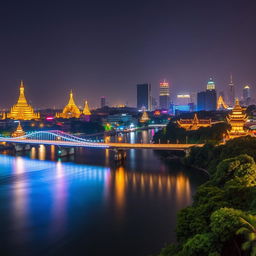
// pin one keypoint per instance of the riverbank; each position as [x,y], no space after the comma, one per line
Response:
[210,225]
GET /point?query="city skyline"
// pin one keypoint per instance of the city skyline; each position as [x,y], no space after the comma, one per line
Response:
[108,48]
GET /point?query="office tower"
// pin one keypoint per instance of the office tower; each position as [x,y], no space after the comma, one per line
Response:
[207,100]
[231,92]
[210,96]
[144,96]
[247,94]
[164,96]
[201,101]
[102,101]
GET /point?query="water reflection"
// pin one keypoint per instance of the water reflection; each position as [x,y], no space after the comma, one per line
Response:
[41,152]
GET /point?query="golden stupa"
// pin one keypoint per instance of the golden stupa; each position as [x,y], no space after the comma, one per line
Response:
[71,110]
[144,118]
[86,110]
[19,131]
[22,110]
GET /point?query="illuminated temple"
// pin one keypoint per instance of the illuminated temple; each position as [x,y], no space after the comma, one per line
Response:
[19,131]
[70,110]
[237,120]
[194,124]
[22,110]
[144,118]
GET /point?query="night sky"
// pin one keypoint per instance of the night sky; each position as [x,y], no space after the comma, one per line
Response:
[106,47]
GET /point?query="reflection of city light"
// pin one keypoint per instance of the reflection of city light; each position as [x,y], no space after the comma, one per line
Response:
[120,187]
[33,153]
[19,165]
[52,152]
[41,152]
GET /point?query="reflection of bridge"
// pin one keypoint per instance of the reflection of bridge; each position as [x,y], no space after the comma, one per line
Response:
[62,139]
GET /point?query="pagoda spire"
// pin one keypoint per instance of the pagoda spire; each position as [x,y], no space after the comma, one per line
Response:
[86,110]
[70,110]
[22,110]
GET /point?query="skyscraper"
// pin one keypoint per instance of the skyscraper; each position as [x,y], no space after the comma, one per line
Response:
[144,96]
[210,96]
[207,100]
[247,94]
[102,101]
[164,96]
[231,92]
[201,101]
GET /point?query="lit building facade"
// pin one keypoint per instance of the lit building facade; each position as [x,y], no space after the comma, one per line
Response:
[195,123]
[144,96]
[237,120]
[22,110]
[247,94]
[164,95]
[70,110]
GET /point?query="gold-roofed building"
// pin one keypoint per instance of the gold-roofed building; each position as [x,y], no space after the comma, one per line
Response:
[195,123]
[70,110]
[86,110]
[237,119]
[22,110]
[18,132]
[221,103]
[144,118]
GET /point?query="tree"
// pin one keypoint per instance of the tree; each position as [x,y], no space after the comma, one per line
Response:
[248,229]
[200,244]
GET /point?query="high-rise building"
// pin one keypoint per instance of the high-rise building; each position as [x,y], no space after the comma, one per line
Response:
[144,96]
[247,94]
[102,101]
[207,100]
[164,96]
[201,101]
[231,92]
[210,96]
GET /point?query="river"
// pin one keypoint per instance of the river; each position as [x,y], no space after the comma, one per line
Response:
[87,205]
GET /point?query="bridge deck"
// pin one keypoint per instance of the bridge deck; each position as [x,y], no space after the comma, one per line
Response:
[103,145]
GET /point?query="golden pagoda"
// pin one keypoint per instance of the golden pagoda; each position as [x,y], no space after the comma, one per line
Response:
[144,118]
[70,110]
[86,110]
[19,131]
[221,103]
[22,110]
[237,120]
[195,123]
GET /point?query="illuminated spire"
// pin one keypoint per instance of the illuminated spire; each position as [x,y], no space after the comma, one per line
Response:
[70,110]
[19,131]
[22,110]
[86,110]
[144,118]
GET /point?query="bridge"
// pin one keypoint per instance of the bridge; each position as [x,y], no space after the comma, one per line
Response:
[62,139]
